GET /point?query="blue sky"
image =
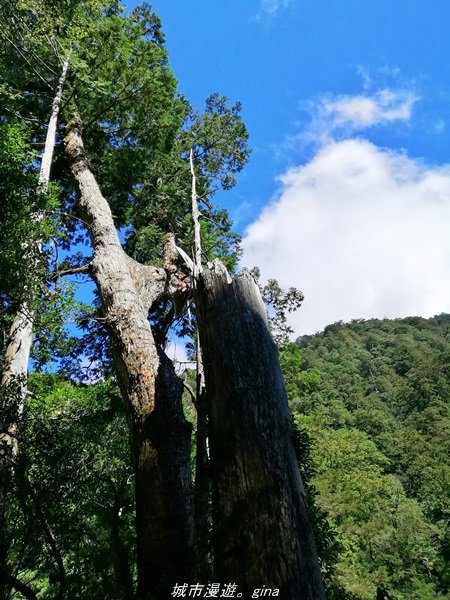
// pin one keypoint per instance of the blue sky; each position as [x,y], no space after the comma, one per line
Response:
[347,193]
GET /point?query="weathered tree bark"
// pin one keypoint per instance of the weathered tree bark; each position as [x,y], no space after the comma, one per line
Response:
[160,435]
[261,531]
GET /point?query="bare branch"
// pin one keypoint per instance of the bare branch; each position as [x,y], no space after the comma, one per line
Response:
[83,270]
[17,115]
[21,587]
[60,213]
[30,51]
[196,218]
[187,259]
[191,393]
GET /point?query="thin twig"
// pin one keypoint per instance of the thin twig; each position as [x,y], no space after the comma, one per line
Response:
[25,59]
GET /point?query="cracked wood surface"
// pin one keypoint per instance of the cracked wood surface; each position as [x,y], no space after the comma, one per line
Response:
[261,530]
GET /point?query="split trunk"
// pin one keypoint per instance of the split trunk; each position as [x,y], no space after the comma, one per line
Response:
[262,535]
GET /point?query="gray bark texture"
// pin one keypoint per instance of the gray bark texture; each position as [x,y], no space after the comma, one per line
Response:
[160,435]
[261,531]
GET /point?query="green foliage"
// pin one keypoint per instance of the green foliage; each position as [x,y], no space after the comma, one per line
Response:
[370,399]
[36,37]
[377,420]
[297,380]
[162,203]
[125,95]
[137,131]
[72,506]
[29,228]
[220,139]
[279,303]
[326,541]
[24,232]
[17,201]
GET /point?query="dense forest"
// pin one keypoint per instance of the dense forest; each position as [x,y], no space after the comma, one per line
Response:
[122,477]
[371,400]
[370,404]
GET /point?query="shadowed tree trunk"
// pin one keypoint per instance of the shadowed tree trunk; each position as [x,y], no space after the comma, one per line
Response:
[202,480]
[21,587]
[261,531]
[14,389]
[160,435]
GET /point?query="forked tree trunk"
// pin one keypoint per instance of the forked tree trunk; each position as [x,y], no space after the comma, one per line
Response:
[160,435]
[262,535]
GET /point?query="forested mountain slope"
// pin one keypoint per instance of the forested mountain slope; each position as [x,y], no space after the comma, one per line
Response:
[373,399]
[370,401]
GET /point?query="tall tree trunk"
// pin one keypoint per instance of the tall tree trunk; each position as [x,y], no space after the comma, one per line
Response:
[202,482]
[47,156]
[261,532]
[160,435]
[202,479]
[15,366]
[14,384]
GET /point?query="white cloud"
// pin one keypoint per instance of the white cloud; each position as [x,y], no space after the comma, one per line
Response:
[363,232]
[342,115]
[270,8]
[366,111]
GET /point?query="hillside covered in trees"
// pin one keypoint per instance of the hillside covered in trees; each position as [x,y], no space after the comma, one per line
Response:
[370,403]
[373,399]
